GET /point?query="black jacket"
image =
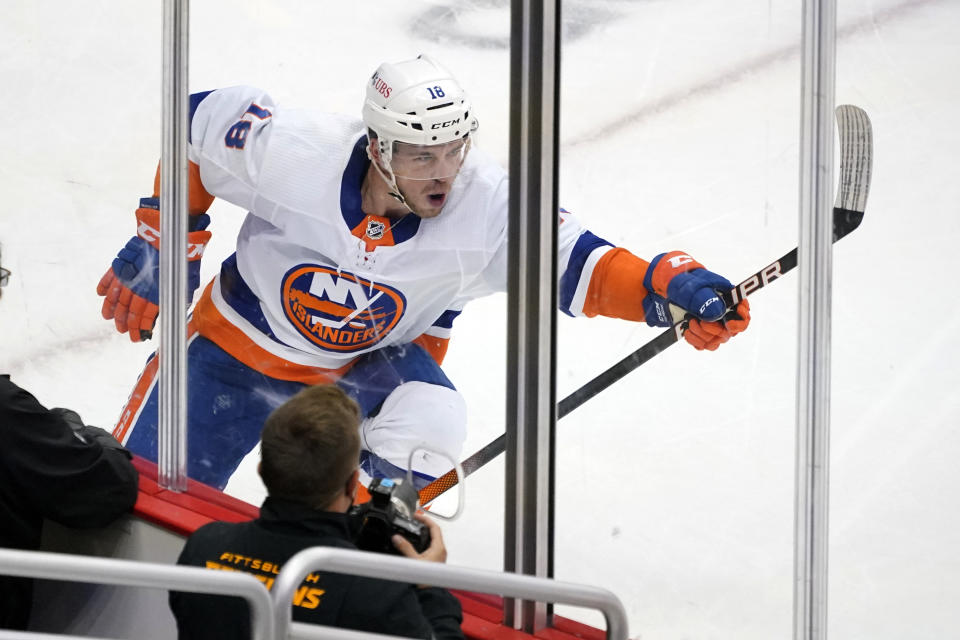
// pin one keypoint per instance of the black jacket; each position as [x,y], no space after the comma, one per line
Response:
[262,546]
[48,471]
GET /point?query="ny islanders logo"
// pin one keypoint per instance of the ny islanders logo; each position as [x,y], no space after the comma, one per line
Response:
[339,311]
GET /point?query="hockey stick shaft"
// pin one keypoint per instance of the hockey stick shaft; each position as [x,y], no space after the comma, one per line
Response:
[856,156]
[843,223]
[639,357]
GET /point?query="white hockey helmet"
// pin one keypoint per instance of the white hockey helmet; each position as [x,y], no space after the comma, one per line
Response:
[416,102]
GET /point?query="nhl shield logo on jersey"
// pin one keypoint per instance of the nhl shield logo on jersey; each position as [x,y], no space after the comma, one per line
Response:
[375,229]
[339,311]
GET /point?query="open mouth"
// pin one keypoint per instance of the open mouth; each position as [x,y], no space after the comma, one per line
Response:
[437,199]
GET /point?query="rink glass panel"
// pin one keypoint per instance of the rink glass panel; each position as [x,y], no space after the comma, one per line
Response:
[680,132]
[680,129]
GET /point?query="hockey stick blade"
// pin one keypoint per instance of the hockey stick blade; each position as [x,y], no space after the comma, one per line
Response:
[856,157]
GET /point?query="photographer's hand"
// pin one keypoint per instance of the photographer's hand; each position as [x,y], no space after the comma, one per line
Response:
[436,552]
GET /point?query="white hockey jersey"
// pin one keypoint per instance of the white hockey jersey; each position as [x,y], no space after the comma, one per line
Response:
[314,281]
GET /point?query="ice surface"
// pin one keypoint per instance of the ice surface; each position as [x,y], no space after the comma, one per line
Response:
[680,128]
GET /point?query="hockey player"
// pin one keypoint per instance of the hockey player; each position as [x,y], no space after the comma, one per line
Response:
[363,240]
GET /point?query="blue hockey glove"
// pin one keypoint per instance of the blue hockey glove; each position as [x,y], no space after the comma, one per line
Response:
[131,284]
[677,278]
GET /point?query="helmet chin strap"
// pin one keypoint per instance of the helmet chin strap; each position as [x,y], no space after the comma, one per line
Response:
[392,189]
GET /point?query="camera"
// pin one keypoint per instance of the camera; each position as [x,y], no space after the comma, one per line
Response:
[390,511]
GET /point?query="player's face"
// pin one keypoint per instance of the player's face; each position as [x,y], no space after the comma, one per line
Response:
[425,173]
[428,162]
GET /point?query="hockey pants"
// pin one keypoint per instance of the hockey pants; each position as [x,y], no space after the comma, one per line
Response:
[405,398]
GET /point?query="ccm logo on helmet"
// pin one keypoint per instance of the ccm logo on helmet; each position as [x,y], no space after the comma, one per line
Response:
[382,87]
[444,125]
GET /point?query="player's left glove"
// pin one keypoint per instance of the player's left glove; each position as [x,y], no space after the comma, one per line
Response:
[131,284]
[676,278]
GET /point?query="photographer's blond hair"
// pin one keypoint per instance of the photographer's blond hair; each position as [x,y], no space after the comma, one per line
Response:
[310,445]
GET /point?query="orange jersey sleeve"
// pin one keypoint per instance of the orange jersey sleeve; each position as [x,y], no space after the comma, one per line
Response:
[616,287]
[198,200]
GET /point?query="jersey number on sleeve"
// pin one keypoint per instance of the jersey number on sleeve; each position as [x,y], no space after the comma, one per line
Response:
[236,136]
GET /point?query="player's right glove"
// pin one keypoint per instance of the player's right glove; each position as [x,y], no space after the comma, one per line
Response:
[676,278]
[131,284]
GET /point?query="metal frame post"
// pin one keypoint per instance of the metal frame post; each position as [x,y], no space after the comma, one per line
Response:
[172,406]
[813,379]
[532,300]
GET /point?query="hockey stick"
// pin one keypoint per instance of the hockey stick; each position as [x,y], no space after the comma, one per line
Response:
[856,156]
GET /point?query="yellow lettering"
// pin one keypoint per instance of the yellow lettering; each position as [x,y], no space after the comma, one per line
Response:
[307,597]
[266,566]
[313,599]
[299,595]
[313,577]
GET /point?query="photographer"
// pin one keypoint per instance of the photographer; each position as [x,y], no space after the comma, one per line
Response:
[52,466]
[309,464]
